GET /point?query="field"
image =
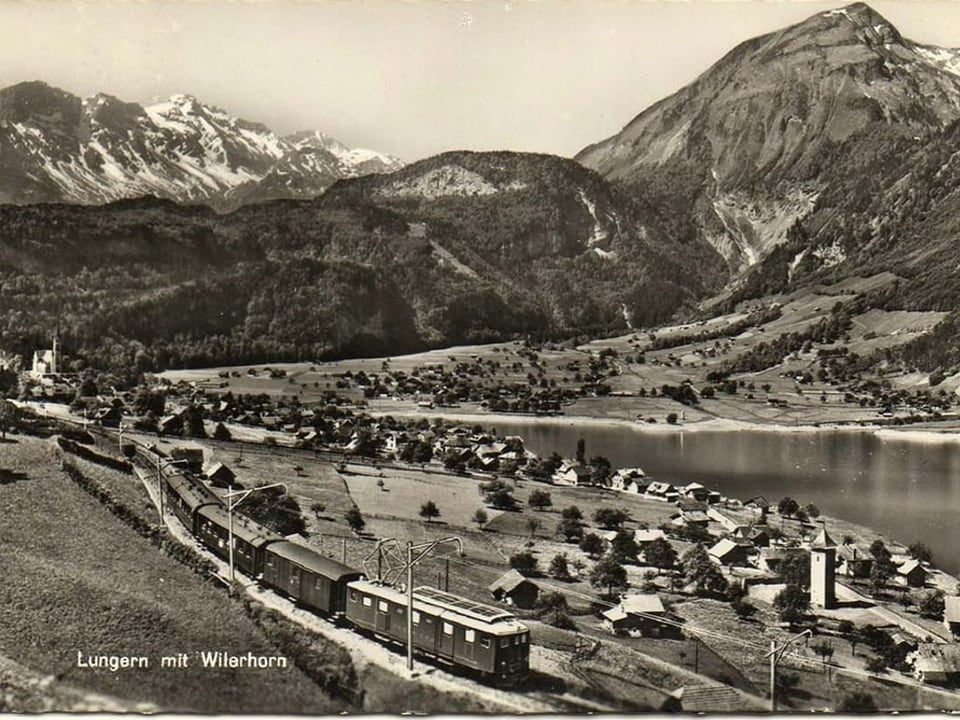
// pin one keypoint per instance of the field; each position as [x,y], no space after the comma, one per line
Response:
[76,578]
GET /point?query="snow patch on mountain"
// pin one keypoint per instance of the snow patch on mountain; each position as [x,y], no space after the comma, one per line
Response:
[947,59]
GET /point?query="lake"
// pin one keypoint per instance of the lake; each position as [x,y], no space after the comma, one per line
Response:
[906,490]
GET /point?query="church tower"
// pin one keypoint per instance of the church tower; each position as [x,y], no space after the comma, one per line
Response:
[823,570]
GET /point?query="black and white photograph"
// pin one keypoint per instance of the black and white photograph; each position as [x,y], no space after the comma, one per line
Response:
[490,357]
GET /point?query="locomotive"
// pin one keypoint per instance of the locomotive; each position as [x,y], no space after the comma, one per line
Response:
[484,640]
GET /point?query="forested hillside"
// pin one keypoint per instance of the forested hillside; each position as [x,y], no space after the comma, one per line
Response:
[465,247]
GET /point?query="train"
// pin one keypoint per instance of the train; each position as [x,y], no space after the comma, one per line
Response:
[485,641]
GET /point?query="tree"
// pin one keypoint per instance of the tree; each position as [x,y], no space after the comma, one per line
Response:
[624,547]
[193,421]
[572,530]
[857,702]
[660,554]
[533,525]
[276,510]
[608,573]
[792,602]
[9,418]
[381,484]
[539,499]
[555,610]
[429,510]
[318,508]
[355,519]
[572,513]
[701,572]
[559,567]
[788,507]
[610,518]
[849,631]
[672,418]
[743,608]
[932,604]
[919,551]
[220,432]
[480,517]
[503,500]
[592,544]
[795,569]
[882,570]
[524,563]
[581,451]
[824,650]
[811,510]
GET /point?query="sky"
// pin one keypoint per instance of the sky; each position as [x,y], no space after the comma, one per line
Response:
[409,77]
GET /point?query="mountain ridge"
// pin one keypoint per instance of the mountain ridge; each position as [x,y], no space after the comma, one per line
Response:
[58,147]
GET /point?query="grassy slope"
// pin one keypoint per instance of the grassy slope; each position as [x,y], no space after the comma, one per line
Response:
[75,578]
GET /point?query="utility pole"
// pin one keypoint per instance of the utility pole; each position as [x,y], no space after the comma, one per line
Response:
[776,655]
[416,553]
[244,494]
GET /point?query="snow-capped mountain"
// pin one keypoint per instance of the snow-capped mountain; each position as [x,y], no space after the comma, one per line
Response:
[56,147]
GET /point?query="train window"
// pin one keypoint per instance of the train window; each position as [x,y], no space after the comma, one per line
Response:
[382,606]
[416,617]
[469,636]
[367,602]
[485,643]
[516,639]
[447,629]
[504,642]
[524,639]
[353,596]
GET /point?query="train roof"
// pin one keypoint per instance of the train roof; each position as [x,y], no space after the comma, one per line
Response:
[192,490]
[311,560]
[505,623]
[243,527]
[464,606]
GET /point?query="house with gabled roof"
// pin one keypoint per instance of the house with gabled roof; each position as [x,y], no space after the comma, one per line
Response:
[853,561]
[637,615]
[911,573]
[936,663]
[514,589]
[951,614]
[730,552]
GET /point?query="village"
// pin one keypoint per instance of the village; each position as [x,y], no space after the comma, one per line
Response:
[589,550]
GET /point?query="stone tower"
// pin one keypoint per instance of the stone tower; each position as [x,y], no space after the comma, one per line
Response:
[823,570]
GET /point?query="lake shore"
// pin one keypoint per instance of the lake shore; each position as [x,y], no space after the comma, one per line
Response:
[713,425]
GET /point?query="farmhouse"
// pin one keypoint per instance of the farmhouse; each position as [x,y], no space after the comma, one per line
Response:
[637,615]
[629,480]
[692,512]
[911,574]
[514,589]
[643,536]
[936,663]
[695,491]
[951,614]
[220,475]
[760,504]
[854,561]
[572,475]
[172,424]
[663,491]
[730,552]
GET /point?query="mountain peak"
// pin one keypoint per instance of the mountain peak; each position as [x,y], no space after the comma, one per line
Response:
[858,20]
